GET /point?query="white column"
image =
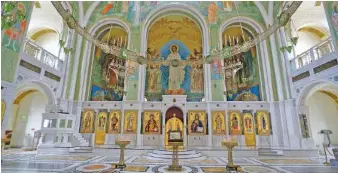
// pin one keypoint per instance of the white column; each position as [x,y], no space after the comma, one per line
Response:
[75,67]
[185,139]
[276,67]
[139,119]
[8,96]
[209,125]
[163,129]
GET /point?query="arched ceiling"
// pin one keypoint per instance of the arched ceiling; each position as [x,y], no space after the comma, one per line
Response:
[43,18]
[310,14]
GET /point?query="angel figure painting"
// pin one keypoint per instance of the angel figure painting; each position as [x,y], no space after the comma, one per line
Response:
[152,122]
[130,125]
[235,123]
[197,123]
[218,123]
[114,124]
[263,123]
[87,121]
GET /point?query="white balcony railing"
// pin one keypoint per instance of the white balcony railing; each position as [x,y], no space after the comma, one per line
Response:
[42,55]
[316,52]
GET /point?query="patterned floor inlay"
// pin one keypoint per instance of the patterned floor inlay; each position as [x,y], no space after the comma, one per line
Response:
[95,168]
[314,169]
[188,162]
[32,165]
[213,169]
[136,168]
[259,169]
[17,156]
[63,157]
[291,161]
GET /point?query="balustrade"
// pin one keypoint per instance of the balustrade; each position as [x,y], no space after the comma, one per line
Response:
[42,55]
[312,54]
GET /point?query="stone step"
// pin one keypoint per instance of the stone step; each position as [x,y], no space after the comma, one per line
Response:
[266,152]
[169,152]
[81,149]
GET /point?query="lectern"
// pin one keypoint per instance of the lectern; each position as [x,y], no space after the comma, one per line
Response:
[175,140]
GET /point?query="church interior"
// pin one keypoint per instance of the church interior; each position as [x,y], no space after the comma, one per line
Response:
[169,86]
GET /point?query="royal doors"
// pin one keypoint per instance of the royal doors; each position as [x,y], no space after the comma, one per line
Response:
[173,122]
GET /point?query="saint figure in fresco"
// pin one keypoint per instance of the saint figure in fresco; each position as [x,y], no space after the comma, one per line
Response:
[102,121]
[263,123]
[114,123]
[151,125]
[130,123]
[176,73]
[235,123]
[218,123]
[197,125]
[212,8]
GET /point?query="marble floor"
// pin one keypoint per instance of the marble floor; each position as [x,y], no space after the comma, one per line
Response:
[17,161]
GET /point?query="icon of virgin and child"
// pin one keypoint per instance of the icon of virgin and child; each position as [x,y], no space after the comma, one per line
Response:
[151,125]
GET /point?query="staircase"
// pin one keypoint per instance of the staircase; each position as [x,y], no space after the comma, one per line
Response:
[80,145]
[269,152]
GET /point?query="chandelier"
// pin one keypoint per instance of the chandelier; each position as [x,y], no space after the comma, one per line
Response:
[228,51]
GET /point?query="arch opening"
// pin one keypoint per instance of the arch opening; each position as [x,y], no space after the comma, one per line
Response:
[174,121]
[318,110]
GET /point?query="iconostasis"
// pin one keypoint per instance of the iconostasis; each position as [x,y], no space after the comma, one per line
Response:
[174,37]
[236,123]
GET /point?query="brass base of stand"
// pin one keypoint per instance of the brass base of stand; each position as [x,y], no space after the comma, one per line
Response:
[327,163]
[175,168]
[120,166]
[234,168]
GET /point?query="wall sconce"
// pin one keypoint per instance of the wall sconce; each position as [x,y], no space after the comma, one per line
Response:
[135,85]
[215,85]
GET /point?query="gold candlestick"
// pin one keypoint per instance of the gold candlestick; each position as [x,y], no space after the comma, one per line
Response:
[122,144]
[230,145]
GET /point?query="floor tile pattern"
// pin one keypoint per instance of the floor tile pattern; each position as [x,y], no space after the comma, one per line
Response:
[30,162]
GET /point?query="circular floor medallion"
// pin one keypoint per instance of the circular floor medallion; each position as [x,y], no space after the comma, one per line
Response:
[97,167]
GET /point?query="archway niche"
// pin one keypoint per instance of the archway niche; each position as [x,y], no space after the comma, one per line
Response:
[318,110]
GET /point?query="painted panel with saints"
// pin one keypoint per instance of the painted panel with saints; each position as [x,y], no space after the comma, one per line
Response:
[130,122]
[101,121]
[114,125]
[241,71]
[173,40]
[248,123]
[108,72]
[263,123]
[152,122]
[218,123]
[87,121]
[235,123]
[197,123]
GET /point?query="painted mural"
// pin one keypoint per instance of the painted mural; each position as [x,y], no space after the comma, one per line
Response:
[14,34]
[241,71]
[173,39]
[332,10]
[108,75]
[15,18]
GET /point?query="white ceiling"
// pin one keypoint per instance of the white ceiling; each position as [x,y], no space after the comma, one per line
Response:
[45,17]
[310,15]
